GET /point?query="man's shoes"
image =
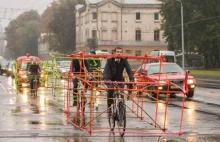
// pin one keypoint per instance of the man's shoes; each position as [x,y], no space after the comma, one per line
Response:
[74,103]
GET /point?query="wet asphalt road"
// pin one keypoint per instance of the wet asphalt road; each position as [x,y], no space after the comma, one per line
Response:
[208,81]
[24,118]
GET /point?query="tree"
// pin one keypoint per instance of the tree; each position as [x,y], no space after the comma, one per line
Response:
[22,34]
[200,29]
[62,27]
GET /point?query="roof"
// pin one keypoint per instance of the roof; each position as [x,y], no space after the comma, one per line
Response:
[135,2]
[28,58]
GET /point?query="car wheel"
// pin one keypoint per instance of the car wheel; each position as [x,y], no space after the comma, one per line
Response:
[190,94]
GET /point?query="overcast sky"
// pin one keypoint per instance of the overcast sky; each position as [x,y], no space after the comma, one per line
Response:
[10,9]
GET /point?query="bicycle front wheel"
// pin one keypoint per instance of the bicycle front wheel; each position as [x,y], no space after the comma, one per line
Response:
[111,118]
[121,118]
[35,87]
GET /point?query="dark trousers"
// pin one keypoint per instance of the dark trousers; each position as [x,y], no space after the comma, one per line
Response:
[32,80]
[111,92]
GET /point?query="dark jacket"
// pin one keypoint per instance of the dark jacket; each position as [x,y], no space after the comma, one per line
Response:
[114,71]
[76,66]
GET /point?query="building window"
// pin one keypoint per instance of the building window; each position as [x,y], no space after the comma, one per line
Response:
[156,16]
[114,17]
[94,16]
[137,52]
[104,35]
[128,51]
[138,16]
[156,35]
[94,34]
[138,35]
[114,35]
[104,17]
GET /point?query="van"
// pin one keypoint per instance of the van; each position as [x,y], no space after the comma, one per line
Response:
[98,52]
[168,55]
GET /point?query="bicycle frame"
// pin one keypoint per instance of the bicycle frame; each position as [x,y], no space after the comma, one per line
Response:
[118,113]
[34,87]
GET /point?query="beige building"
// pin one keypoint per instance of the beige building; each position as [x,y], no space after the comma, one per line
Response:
[133,25]
[44,48]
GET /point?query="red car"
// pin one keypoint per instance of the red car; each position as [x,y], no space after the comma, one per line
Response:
[170,77]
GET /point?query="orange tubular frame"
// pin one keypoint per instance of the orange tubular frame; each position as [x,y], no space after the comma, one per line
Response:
[136,107]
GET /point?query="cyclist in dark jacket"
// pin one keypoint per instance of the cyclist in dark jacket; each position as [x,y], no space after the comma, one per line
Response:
[78,69]
[34,71]
[114,72]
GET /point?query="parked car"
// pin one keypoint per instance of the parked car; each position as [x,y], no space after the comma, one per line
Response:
[171,75]
[11,71]
[4,68]
[63,67]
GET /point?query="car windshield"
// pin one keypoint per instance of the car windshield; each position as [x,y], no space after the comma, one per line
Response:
[166,68]
[169,58]
[23,67]
[65,64]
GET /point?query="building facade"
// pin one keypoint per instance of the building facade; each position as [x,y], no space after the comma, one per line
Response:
[44,48]
[132,25]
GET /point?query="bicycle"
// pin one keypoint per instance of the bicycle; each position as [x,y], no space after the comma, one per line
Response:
[95,76]
[118,113]
[80,96]
[34,87]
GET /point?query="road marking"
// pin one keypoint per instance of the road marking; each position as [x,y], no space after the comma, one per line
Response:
[3,87]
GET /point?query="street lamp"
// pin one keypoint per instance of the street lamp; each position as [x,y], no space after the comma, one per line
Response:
[183,53]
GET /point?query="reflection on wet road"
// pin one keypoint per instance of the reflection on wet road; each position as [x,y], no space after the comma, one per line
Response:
[22,115]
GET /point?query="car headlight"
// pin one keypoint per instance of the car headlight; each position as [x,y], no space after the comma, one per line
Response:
[63,70]
[191,81]
[161,82]
[23,76]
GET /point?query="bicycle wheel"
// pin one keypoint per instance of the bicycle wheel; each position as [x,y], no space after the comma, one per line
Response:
[121,118]
[35,87]
[111,118]
[83,104]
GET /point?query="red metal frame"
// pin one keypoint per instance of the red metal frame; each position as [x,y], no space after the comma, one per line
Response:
[137,99]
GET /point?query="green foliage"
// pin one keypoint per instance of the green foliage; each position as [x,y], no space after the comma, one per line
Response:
[201,27]
[22,34]
[59,23]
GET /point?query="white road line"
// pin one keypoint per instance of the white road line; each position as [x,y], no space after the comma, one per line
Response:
[3,87]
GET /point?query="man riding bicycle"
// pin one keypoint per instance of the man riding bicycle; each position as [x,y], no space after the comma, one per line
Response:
[79,67]
[34,72]
[114,72]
